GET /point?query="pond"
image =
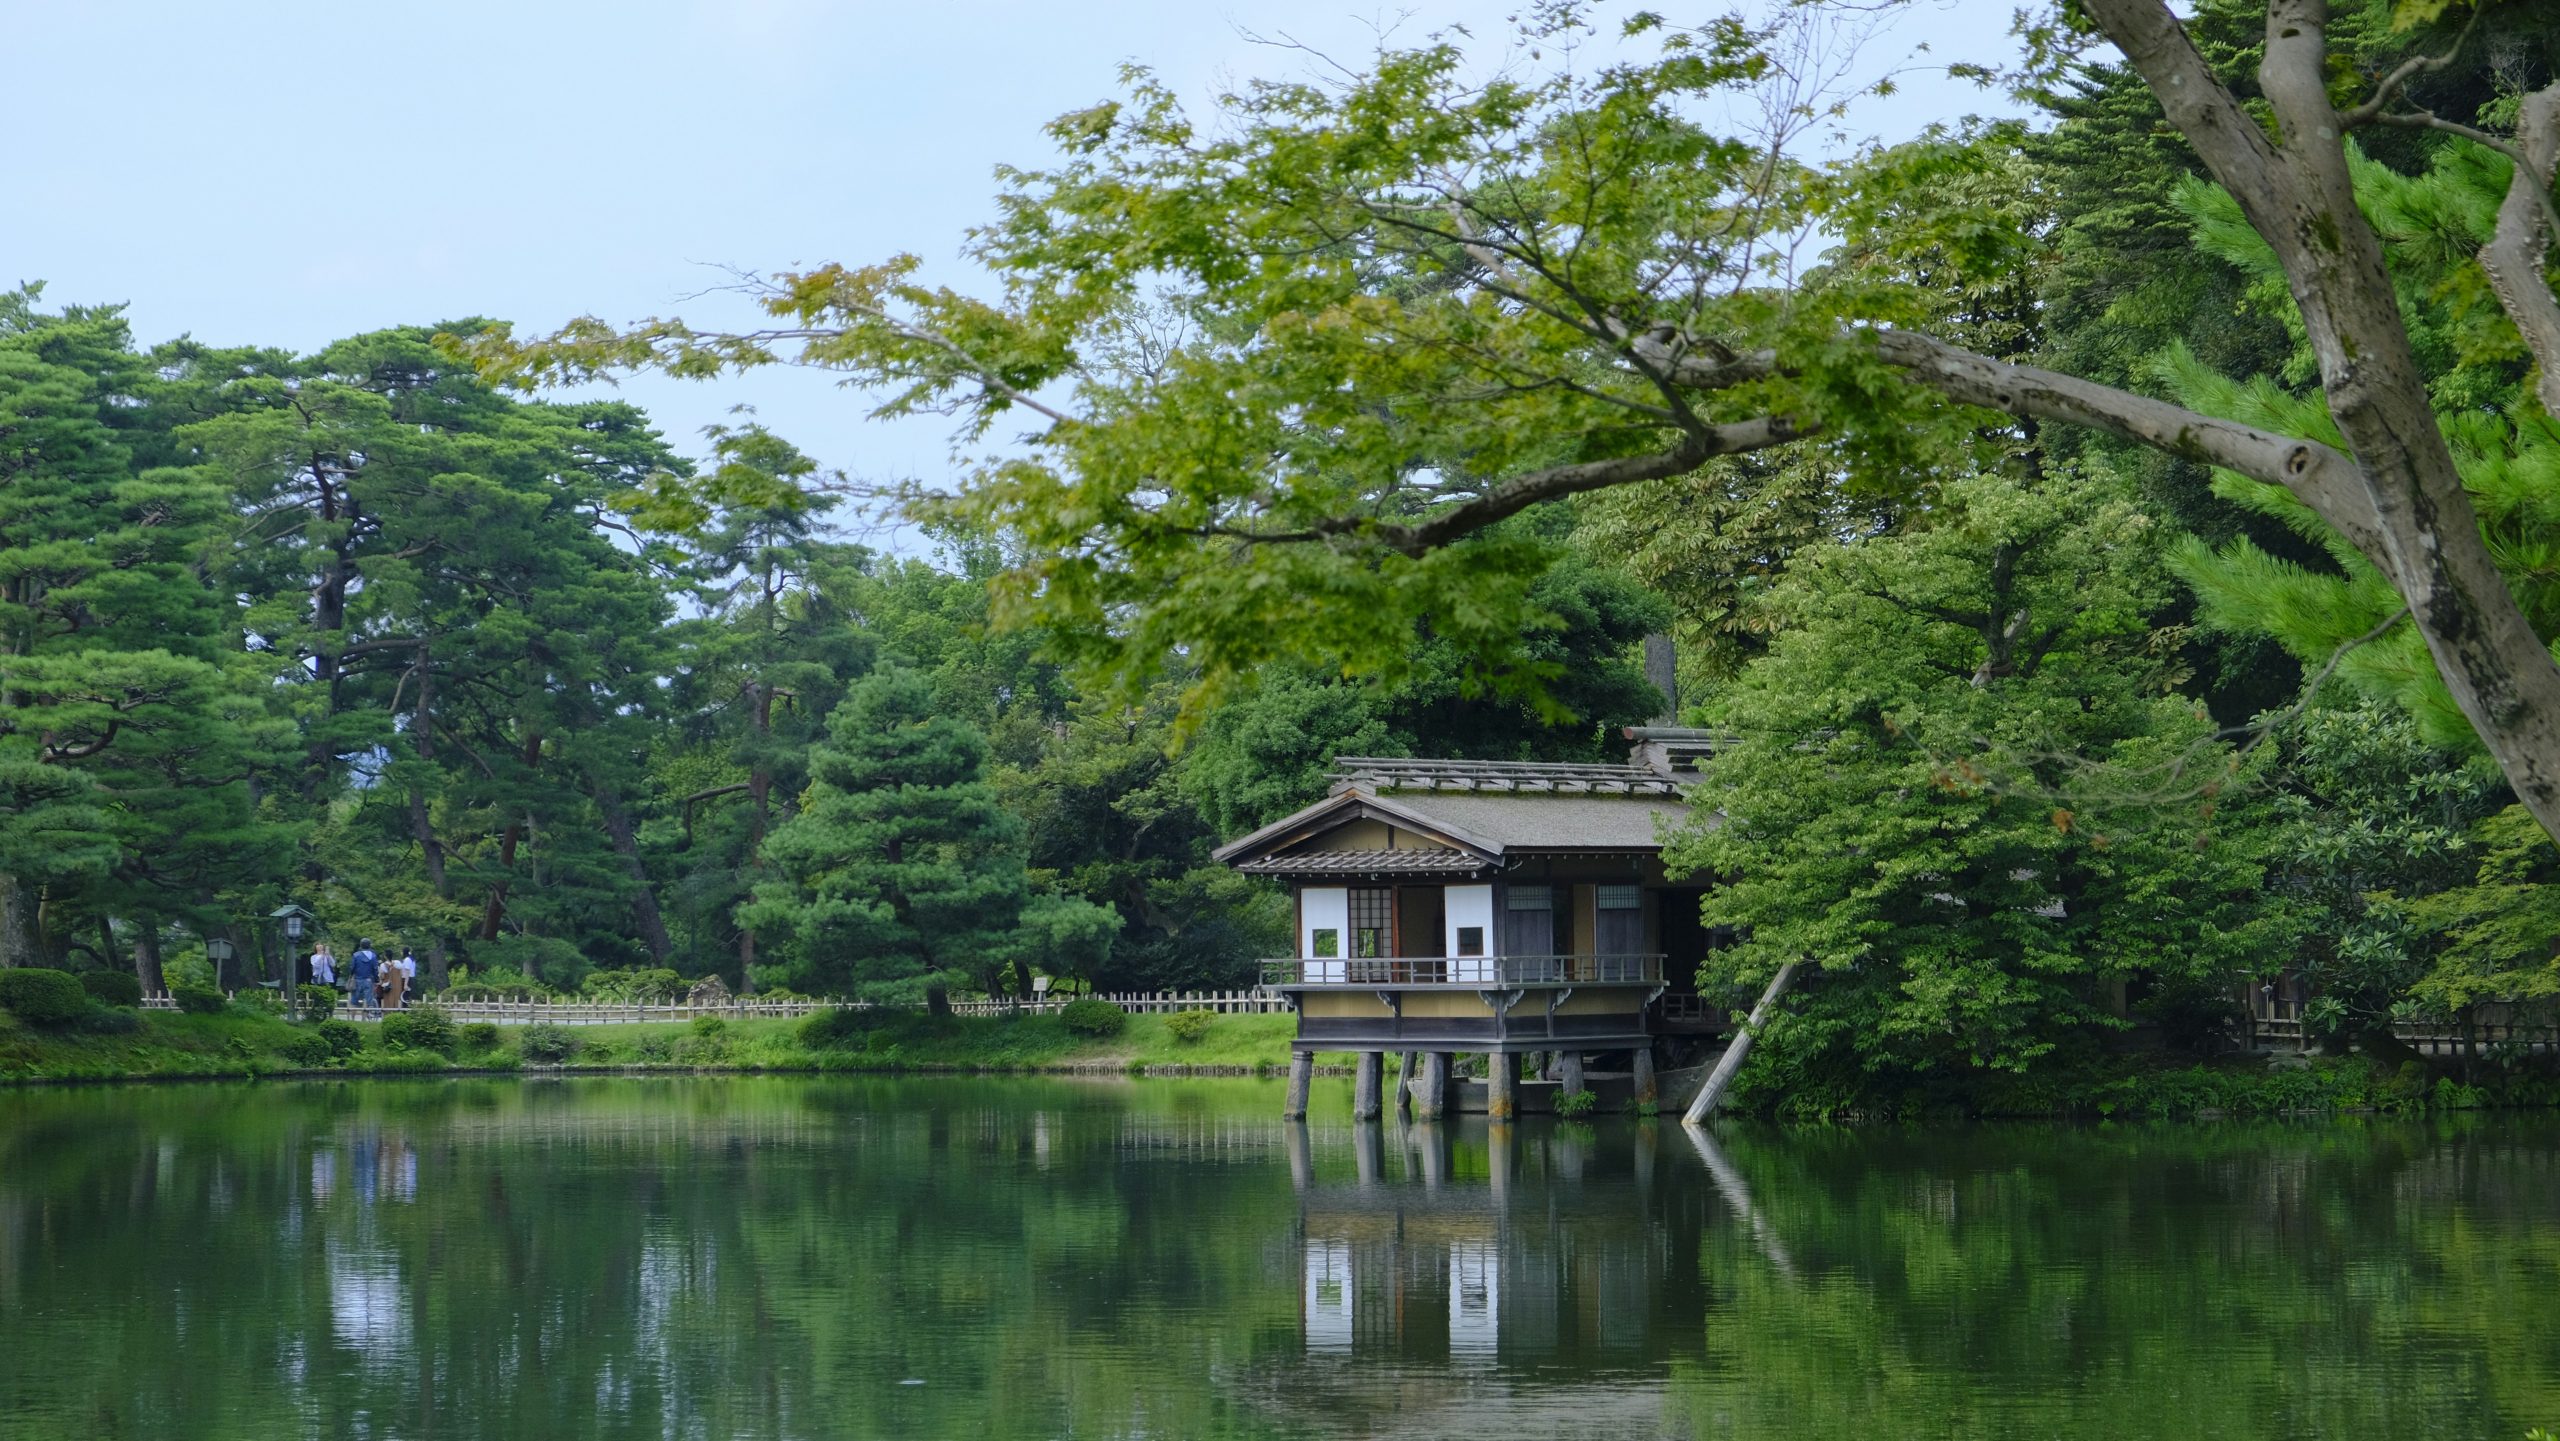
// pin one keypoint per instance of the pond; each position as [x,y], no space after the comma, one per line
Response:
[990,1259]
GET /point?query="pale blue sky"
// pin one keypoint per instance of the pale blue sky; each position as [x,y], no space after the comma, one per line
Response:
[290,173]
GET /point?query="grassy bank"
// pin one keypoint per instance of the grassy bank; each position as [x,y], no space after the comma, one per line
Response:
[245,1044]
[2155,1087]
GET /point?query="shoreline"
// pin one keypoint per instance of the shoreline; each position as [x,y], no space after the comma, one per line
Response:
[242,1045]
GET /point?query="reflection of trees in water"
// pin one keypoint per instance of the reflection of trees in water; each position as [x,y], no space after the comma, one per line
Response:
[771,1258]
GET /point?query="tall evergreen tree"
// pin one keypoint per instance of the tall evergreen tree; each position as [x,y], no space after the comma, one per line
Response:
[901,876]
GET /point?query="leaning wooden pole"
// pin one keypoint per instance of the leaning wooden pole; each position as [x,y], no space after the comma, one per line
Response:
[1738,1049]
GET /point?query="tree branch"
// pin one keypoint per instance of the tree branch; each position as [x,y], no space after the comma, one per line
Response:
[1521,492]
[2324,477]
[2514,255]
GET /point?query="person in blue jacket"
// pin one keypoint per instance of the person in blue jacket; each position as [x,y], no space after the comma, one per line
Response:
[363,969]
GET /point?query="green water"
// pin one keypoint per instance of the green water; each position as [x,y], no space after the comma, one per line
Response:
[719,1258]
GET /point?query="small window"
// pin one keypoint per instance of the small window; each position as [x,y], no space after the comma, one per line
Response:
[1529,898]
[1471,940]
[1326,943]
[1619,898]
[1368,943]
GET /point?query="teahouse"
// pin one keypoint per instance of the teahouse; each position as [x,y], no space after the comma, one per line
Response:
[1500,908]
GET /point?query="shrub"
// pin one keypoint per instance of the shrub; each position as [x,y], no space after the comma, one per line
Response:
[421,1028]
[546,1044]
[708,1026]
[1575,1104]
[111,1021]
[837,1027]
[655,985]
[480,1036]
[112,988]
[305,1048]
[1089,1017]
[196,1000]
[42,997]
[318,1002]
[1187,1027]
[656,1049]
[343,1038]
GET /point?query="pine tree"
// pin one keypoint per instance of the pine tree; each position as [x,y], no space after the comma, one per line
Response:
[901,876]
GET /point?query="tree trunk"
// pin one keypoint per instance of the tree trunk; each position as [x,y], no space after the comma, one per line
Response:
[2298,193]
[497,906]
[1711,1094]
[759,817]
[422,731]
[107,944]
[17,923]
[937,1000]
[146,958]
[644,899]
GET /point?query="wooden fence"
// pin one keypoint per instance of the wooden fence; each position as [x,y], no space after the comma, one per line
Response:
[571,1011]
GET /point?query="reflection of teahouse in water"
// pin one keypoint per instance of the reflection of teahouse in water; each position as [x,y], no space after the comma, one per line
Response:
[1488,1247]
[1497,909]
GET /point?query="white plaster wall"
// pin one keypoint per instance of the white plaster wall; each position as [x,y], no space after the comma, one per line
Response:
[1468,906]
[1320,908]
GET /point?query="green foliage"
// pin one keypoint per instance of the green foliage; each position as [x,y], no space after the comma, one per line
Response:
[653,985]
[343,1038]
[2500,932]
[1574,1105]
[2367,811]
[1963,788]
[478,1036]
[1189,1027]
[111,1021]
[318,1003]
[112,988]
[707,1026]
[196,1000]
[900,873]
[1086,1016]
[43,997]
[305,1048]
[420,1028]
[546,1044]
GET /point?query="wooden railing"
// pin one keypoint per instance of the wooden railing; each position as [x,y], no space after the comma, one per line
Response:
[572,1011]
[1633,968]
[1140,1003]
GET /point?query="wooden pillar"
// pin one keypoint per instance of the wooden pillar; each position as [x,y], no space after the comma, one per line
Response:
[1569,1071]
[1648,1088]
[1366,1085]
[1432,1091]
[1501,1087]
[1407,1080]
[1302,1074]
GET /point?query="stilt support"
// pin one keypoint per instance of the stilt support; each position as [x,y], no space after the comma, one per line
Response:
[1569,1072]
[1367,1085]
[1501,1087]
[1431,1092]
[1648,1088]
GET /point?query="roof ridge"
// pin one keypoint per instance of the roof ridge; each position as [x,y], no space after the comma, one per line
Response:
[1390,774]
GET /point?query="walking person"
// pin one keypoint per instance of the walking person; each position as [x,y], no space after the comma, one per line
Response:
[324,967]
[408,964]
[364,971]
[395,987]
